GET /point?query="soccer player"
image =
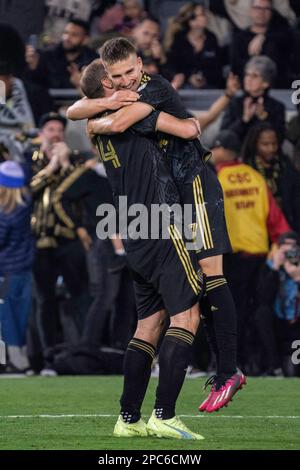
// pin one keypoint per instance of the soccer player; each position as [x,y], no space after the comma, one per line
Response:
[135,168]
[197,185]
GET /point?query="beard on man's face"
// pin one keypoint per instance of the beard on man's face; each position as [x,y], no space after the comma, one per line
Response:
[71,49]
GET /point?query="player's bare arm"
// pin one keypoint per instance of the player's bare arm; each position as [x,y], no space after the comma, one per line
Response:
[183,128]
[86,108]
[207,117]
[121,120]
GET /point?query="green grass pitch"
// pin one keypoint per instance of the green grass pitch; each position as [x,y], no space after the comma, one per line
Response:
[82,412]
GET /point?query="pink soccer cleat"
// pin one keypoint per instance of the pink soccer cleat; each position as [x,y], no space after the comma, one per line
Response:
[223,396]
[210,381]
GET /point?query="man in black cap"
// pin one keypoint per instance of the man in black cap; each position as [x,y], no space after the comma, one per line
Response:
[59,251]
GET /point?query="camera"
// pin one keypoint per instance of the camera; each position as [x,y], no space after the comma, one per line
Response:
[293,255]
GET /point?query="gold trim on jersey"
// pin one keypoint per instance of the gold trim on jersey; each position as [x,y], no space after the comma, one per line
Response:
[184,258]
[202,217]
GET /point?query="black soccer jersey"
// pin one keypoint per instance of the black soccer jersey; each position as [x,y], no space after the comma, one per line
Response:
[196,183]
[184,157]
[136,168]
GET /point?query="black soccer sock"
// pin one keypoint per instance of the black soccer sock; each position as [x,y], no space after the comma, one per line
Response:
[224,316]
[137,371]
[207,322]
[174,358]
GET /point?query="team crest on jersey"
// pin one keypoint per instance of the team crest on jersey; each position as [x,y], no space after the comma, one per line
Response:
[144,81]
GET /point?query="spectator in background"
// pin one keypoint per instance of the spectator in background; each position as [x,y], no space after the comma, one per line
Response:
[255,105]
[16,259]
[60,12]
[263,37]
[16,114]
[110,19]
[146,36]
[59,251]
[238,12]
[293,128]
[253,219]
[296,156]
[192,50]
[12,63]
[12,49]
[262,152]
[60,67]
[279,312]
[133,14]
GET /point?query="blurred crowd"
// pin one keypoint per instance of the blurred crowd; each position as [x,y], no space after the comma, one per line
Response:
[66,298]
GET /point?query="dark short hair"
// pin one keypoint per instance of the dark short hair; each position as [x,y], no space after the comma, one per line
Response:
[149,18]
[117,49]
[82,24]
[90,82]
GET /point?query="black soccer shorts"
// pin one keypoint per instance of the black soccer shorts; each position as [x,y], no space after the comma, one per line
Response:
[208,228]
[165,276]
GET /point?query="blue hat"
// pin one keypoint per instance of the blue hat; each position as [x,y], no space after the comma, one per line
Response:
[11,175]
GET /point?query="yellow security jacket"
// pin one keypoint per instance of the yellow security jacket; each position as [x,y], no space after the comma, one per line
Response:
[252,214]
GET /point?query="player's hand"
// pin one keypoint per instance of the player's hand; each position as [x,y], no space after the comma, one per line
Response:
[84,237]
[32,57]
[197,126]
[121,98]
[255,46]
[90,127]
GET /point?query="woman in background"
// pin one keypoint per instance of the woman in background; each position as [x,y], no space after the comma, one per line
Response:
[16,257]
[262,152]
[192,50]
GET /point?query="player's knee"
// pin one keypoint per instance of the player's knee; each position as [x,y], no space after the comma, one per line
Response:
[151,328]
[188,320]
[212,266]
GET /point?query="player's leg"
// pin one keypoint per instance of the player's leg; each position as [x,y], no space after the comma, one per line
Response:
[174,358]
[223,313]
[210,219]
[138,358]
[137,365]
[180,292]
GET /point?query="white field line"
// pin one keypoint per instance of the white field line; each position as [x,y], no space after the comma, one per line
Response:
[61,416]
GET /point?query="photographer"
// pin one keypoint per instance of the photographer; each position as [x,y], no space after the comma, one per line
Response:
[280,294]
